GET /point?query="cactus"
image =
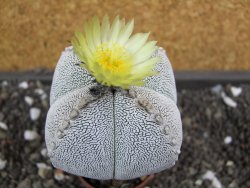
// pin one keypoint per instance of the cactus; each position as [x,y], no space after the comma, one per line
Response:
[103,132]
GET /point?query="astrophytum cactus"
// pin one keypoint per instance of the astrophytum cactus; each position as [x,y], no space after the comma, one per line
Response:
[104,132]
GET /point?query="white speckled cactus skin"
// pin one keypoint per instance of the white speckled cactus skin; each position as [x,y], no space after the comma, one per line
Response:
[118,135]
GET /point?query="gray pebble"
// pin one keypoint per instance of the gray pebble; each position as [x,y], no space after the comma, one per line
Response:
[34,157]
[2,135]
[50,184]
[26,183]
[37,184]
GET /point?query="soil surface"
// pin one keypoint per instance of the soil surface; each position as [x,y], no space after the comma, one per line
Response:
[215,151]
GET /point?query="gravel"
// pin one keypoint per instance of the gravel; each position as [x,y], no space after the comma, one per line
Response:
[3,126]
[215,150]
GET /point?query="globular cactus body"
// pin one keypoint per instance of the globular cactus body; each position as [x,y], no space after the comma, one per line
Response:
[115,134]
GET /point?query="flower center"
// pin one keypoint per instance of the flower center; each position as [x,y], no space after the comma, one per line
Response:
[113,57]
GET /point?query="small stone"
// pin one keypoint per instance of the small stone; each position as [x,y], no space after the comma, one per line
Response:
[34,157]
[44,96]
[187,121]
[49,184]
[208,113]
[58,175]
[236,91]
[3,135]
[142,178]
[3,126]
[218,114]
[45,103]
[5,83]
[198,182]
[3,164]
[44,171]
[228,101]
[217,89]
[205,135]
[26,183]
[233,184]
[23,85]
[1,116]
[74,113]
[30,135]
[230,163]
[209,175]
[44,152]
[29,100]
[228,139]
[39,91]
[35,113]
[37,184]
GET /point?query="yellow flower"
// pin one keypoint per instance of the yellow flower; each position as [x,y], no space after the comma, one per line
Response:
[112,55]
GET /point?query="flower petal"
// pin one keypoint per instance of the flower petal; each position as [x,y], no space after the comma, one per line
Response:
[96,31]
[89,38]
[136,42]
[115,29]
[126,32]
[105,29]
[112,56]
[145,52]
[145,66]
[82,49]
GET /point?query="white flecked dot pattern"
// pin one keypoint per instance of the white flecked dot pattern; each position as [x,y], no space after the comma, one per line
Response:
[115,135]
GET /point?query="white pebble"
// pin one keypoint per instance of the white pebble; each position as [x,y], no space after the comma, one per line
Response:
[30,135]
[58,175]
[43,169]
[228,139]
[217,89]
[44,152]
[3,126]
[229,163]
[35,113]
[23,85]
[5,83]
[209,175]
[2,164]
[198,182]
[28,100]
[236,91]
[228,101]
[43,165]
[43,96]
[39,91]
